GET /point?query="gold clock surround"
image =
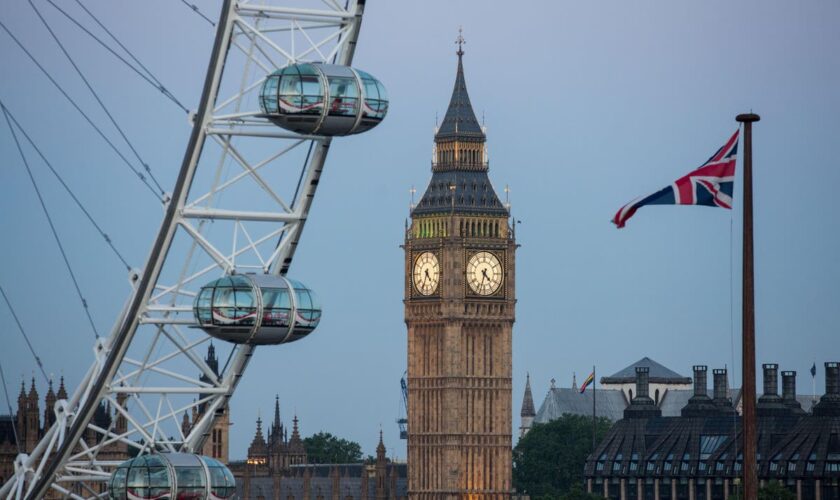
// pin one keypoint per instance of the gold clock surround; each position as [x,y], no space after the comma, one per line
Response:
[426,273]
[484,273]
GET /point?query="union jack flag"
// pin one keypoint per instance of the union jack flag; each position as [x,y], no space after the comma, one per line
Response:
[709,185]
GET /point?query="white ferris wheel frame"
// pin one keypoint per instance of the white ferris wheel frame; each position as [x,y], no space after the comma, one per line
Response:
[266,37]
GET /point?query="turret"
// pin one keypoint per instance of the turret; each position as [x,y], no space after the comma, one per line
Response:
[62,392]
[21,414]
[527,413]
[276,432]
[186,425]
[33,417]
[381,470]
[258,451]
[49,406]
[297,452]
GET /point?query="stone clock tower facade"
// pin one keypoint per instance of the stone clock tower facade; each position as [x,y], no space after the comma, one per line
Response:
[459,310]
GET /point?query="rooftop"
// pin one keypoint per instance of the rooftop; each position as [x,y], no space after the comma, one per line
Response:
[658,374]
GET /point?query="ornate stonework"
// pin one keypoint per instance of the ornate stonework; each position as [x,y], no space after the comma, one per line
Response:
[459,332]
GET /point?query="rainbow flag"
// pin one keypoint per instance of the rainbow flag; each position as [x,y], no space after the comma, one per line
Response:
[585,384]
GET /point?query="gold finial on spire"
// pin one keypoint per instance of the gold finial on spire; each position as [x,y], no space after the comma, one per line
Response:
[460,41]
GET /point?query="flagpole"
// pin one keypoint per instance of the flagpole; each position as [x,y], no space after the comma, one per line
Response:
[594,386]
[748,320]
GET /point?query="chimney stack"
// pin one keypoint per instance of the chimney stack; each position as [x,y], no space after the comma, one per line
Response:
[832,379]
[700,381]
[771,379]
[789,392]
[642,382]
[829,405]
[770,403]
[788,385]
[699,404]
[721,390]
[642,405]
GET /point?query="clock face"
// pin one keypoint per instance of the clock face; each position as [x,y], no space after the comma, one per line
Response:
[426,273]
[484,273]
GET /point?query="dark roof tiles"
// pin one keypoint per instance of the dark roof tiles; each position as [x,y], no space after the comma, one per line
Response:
[658,374]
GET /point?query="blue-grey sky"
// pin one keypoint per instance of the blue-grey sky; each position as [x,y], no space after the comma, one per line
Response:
[587,104]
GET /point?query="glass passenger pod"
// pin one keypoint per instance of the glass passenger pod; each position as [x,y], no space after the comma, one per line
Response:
[323,99]
[171,476]
[257,309]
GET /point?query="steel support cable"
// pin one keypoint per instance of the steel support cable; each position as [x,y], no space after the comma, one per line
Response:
[49,220]
[67,188]
[25,337]
[194,8]
[9,406]
[96,96]
[86,117]
[149,77]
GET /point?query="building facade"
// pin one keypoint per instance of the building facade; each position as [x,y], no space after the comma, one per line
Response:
[459,312]
[697,455]
[669,390]
[21,432]
[277,468]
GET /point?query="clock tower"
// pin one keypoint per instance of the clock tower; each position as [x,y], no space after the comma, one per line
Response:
[459,310]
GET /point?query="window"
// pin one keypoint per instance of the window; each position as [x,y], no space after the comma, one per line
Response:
[138,482]
[190,483]
[118,484]
[709,444]
[600,465]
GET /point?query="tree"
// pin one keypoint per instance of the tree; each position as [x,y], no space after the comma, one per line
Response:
[775,491]
[324,448]
[577,493]
[549,460]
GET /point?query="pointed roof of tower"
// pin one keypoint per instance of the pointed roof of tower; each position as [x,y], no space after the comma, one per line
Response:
[258,446]
[459,186]
[295,442]
[460,121]
[528,400]
[276,424]
[380,448]
[62,392]
[33,393]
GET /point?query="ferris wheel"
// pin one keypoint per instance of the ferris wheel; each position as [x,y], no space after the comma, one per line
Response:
[278,87]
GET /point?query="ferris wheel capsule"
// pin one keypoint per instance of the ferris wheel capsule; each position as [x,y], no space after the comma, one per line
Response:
[258,309]
[323,99]
[171,475]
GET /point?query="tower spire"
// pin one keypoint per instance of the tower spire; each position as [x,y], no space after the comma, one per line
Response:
[527,400]
[459,122]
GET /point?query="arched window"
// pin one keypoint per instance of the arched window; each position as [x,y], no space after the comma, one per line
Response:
[656,397]
[631,394]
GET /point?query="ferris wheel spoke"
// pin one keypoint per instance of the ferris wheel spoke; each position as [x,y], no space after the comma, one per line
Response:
[255,167]
[254,35]
[245,91]
[268,65]
[149,372]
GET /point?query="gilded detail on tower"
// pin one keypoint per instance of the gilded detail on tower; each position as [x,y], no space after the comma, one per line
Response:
[459,311]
